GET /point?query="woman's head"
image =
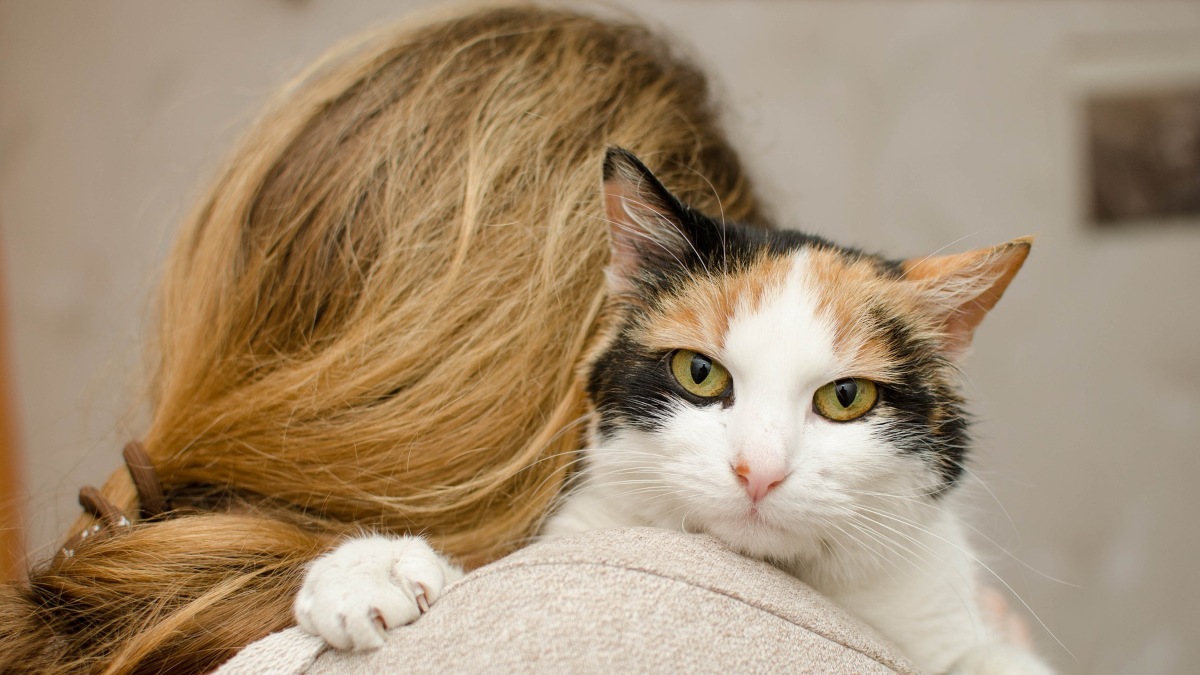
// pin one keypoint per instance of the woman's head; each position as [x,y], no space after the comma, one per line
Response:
[375,319]
[376,314]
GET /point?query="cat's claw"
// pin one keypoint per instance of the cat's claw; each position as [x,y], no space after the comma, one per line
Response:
[422,596]
[356,592]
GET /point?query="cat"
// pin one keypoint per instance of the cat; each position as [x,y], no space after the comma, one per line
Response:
[794,398]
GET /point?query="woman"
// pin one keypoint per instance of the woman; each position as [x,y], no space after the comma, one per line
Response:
[372,320]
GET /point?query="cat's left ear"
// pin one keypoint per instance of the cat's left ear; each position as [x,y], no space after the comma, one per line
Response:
[647,225]
[961,289]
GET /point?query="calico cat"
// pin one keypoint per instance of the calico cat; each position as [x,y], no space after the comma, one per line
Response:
[794,398]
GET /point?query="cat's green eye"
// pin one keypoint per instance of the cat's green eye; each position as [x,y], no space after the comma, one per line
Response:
[699,374]
[846,399]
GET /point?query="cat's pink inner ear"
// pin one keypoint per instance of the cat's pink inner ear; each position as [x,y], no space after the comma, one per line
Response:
[642,230]
[961,289]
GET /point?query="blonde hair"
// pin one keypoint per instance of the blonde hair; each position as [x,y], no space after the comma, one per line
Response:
[376,319]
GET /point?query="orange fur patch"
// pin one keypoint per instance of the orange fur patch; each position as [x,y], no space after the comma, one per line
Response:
[847,289]
[698,317]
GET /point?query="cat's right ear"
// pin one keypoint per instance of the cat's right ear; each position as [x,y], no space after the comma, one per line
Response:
[646,223]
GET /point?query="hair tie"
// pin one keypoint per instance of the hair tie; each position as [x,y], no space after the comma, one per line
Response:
[145,480]
[103,510]
[151,498]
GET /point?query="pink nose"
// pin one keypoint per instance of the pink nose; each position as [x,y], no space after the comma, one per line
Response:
[757,480]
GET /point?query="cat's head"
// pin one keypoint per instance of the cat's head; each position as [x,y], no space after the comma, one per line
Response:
[763,385]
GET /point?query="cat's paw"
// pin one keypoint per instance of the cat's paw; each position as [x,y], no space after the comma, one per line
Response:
[352,595]
[1000,659]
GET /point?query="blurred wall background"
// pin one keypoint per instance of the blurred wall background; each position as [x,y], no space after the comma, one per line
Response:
[899,126]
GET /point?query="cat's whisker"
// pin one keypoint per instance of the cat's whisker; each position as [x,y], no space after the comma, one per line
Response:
[638,493]
[935,506]
[658,483]
[879,540]
[617,465]
[919,497]
[971,557]
[1018,560]
[967,602]
[545,483]
[995,498]
[875,555]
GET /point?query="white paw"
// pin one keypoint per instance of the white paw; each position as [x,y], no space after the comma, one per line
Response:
[359,590]
[1000,659]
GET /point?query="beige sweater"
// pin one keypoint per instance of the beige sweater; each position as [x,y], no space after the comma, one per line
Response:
[612,601]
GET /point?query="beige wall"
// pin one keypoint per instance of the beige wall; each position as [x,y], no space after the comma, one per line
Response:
[901,126]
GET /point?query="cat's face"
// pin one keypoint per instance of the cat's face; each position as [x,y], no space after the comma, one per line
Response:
[770,388]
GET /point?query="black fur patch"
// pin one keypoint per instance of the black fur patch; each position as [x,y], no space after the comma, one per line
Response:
[924,411]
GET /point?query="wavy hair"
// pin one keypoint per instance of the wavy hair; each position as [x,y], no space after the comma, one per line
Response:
[375,318]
